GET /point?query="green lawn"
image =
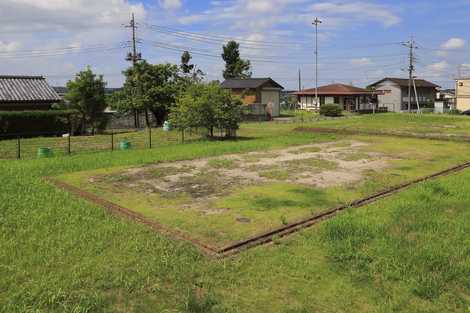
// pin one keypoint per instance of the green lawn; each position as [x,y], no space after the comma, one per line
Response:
[431,124]
[407,253]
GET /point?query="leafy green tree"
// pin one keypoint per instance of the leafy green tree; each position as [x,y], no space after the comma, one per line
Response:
[208,106]
[190,71]
[86,94]
[235,66]
[150,88]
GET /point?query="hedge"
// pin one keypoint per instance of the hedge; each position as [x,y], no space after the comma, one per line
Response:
[35,123]
[332,110]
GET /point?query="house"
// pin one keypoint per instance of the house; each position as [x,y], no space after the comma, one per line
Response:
[462,94]
[260,94]
[19,93]
[445,100]
[392,93]
[350,98]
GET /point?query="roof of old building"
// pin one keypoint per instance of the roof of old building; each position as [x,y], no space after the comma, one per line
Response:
[403,82]
[249,83]
[26,89]
[335,89]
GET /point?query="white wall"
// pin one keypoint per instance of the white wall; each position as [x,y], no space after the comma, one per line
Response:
[392,99]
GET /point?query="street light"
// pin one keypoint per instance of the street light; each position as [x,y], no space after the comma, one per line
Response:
[316,22]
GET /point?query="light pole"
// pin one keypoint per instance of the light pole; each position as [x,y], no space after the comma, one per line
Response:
[316,22]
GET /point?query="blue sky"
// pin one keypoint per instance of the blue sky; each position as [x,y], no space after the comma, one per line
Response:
[359,41]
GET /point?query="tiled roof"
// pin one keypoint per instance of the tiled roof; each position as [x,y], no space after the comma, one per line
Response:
[403,82]
[335,89]
[248,83]
[26,89]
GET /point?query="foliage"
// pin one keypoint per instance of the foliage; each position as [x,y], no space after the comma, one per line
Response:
[455,112]
[235,66]
[149,88]
[34,123]
[190,71]
[332,110]
[208,106]
[86,94]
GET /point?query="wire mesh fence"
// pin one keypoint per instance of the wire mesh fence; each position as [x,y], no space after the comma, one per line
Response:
[30,146]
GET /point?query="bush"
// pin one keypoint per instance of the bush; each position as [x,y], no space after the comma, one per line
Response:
[331,110]
[34,123]
[455,112]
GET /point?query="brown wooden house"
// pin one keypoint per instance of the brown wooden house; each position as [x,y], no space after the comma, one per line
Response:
[257,92]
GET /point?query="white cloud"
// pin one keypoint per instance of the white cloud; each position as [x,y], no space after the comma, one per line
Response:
[171,4]
[361,62]
[65,15]
[8,46]
[357,11]
[438,66]
[453,43]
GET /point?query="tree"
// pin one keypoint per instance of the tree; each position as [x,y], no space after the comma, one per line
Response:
[235,66]
[208,106]
[150,88]
[190,71]
[86,94]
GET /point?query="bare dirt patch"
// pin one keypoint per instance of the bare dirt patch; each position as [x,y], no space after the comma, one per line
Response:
[318,165]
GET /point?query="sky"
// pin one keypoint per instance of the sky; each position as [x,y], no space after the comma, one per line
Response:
[359,42]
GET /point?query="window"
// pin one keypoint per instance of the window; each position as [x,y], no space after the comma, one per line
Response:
[336,100]
[322,100]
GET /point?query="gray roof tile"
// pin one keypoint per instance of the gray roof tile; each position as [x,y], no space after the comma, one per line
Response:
[26,89]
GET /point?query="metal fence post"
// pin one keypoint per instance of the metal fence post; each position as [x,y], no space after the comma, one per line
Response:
[69,150]
[112,140]
[150,137]
[18,148]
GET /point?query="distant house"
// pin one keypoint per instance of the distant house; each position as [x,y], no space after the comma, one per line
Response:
[445,100]
[462,94]
[19,93]
[350,98]
[393,94]
[258,93]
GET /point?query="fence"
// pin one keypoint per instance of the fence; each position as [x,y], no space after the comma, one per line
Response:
[29,146]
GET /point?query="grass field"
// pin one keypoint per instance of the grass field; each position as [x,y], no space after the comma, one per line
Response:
[425,124]
[224,200]
[407,253]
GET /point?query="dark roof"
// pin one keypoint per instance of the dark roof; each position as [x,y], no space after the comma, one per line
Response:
[403,82]
[249,83]
[26,89]
[335,89]
[63,90]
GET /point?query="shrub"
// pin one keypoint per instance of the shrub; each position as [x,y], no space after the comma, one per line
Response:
[455,112]
[331,110]
[35,123]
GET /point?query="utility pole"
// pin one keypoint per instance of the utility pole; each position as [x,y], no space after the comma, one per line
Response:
[411,45]
[134,57]
[316,22]
[300,80]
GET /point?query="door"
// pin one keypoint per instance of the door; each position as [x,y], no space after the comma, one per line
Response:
[271,97]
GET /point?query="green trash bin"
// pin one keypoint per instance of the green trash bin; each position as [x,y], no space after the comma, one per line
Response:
[124,145]
[44,152]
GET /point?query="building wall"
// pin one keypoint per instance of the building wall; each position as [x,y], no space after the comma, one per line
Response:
[247,96]
[392,97]
[426,97]
[274,97]
[462,94]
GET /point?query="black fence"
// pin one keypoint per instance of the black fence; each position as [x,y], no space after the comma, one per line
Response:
[29,146]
